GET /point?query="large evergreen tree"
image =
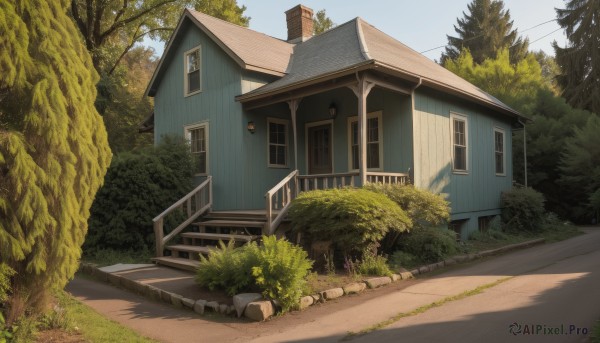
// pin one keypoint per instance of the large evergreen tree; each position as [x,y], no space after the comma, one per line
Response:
[484,31]
[579,61]
[53,148]
[321,22]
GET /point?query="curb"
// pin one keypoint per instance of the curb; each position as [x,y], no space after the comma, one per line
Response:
[202,307]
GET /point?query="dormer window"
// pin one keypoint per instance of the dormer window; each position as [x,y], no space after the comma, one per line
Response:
[192,77]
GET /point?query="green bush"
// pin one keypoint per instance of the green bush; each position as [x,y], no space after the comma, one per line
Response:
[523,210]
[137,187]
[430,244]
[372,264]
[402,259]
[353,219]
[423,207]
[277,267]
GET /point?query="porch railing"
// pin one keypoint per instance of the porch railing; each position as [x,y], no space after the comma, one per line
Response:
[192,206]
[327,181]
[278,200]
[387,178]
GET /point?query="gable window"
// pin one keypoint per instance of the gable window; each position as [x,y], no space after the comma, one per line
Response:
[499,151]
[197,136]
[459,142]
[278,142]
[192,77]
[374,142]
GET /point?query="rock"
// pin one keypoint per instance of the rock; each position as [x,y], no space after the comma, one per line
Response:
[240,301]
[317,298]
[378,281]
[449,262]
[355,287]
[406,275]
[213,305]
[432,267]
[199,306]
[440,264]
[165,296]
[152,293]
[187,302]
[176,300]
[259,310]
[306,302]
[396,277]
[333,293]
[423,269]
[461,258]
[231,310]
[223,308]
[414,272]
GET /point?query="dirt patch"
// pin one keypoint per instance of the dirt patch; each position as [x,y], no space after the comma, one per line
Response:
[59,336]
[323,282]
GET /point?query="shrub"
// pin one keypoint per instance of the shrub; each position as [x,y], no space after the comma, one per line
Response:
[353,219]
[372,264]
[277,267]
[402,259]
[430,244]
[137,187]
[523,210]
[423,207]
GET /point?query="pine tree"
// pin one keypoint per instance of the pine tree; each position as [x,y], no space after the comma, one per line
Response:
[53,148]
[485,31]
[579,61]
[321,22]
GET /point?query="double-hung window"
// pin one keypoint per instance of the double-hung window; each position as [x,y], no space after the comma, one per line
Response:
[197,135]
[277,142]
[499,151]
[374,142]
[460,136]
[193,75]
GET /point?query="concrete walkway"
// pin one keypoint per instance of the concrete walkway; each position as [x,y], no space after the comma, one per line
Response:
[332,321]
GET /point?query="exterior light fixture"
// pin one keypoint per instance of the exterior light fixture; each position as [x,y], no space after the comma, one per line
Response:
[332,110]
[251,127]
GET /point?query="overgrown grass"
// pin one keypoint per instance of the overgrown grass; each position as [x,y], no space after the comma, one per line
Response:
[108,257]
[93,326]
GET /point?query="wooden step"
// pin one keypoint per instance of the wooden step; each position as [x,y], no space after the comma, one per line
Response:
[218,236]
[231,223]
[190,248]
[250,215]
[179,263]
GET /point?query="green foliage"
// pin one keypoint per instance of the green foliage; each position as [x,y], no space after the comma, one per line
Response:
[484,31]
[227,10]
[277,267]
[402,259]
[372,264]
[523,210]
[580,164]
[353,219]
[321,22]
[137,187]
[422,207]
[53,148]
[579,60]
[281,270]
[430,244]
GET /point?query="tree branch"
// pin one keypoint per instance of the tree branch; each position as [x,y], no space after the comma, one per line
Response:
[137,16]
[132,43]
[121,11]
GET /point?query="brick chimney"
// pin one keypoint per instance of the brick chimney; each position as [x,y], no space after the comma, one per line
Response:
[299,23]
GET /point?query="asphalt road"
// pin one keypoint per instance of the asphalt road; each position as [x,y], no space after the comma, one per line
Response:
[551,288]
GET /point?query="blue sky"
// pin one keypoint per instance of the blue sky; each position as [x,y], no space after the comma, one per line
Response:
[420,24]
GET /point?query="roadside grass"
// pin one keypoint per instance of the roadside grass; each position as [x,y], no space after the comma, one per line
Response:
[596,332]
[76,320]
[109,257]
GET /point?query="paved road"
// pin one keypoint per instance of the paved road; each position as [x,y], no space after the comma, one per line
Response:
[552,285]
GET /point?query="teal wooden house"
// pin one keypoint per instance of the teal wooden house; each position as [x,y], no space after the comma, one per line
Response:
[267,119]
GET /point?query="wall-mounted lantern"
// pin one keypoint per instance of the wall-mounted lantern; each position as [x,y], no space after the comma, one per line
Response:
[251,127]
[332,111]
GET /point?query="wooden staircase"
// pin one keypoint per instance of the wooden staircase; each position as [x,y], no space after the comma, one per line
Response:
[240,227]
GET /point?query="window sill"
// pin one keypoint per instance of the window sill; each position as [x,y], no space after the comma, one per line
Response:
[501,175]
[460,172]
[277,166]
[192,93]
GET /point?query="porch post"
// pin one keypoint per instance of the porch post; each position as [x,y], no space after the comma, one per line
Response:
[361,91]
[293,107]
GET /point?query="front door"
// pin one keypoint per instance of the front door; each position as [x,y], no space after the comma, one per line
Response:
[320,149]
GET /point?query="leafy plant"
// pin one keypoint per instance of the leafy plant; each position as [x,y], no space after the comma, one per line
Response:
[523,210]
[372,264]
[430,244]
[402,259]
[352,218]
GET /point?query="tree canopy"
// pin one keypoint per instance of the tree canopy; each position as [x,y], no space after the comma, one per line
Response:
[484,31]
[321,22]
[53,148]
[579,61]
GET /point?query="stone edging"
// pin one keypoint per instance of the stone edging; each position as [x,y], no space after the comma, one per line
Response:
[253,306]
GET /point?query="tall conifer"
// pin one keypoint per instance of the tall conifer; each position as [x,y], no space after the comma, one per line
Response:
[53,147]
[485,31]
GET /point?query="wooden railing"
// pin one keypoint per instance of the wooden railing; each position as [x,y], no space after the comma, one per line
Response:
[194,204]
[327,181]
[387,178]
[278,200]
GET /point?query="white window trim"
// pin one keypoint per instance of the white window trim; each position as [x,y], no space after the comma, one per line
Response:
[186,134]
[319,123]
[503,132]
[287,142]
[465,118]
[185,71]
[378,115]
